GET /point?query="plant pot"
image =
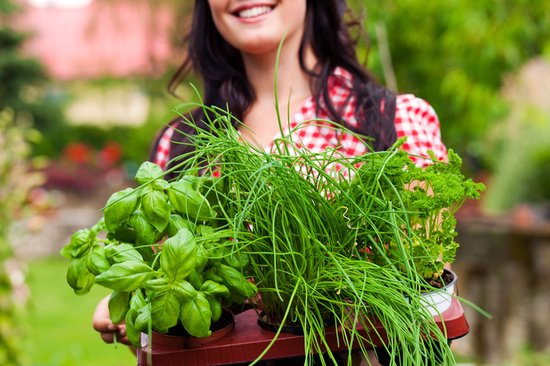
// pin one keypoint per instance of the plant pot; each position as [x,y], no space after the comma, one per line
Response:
[168,341]
[293,328]
[265,323]
[220,329]
[437,301]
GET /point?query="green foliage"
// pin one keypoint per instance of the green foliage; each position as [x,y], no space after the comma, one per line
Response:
[23,80]
[336,236]
[162,256]
[521,172]
[429,197]
[316,239]
[136,149]
[529,357]
[15,182]
[454,54]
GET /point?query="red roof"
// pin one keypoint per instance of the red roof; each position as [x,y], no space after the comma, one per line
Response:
[116,39]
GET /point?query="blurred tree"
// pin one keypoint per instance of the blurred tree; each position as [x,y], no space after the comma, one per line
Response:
[455,53]
[23,81]
[15,183]
[16,73]
[521,173]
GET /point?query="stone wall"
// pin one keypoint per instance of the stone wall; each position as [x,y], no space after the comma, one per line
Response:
[504,267]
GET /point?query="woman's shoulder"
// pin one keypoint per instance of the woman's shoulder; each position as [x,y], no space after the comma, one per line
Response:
[414,112]
[417,120]
[411,104]
[160,152]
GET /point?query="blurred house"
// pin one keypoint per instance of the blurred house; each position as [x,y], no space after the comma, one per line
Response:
[78,39]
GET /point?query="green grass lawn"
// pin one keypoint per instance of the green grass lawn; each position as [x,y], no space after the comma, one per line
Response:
[58,323]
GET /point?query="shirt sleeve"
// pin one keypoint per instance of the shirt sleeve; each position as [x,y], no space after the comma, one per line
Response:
[161,155]
[416,120]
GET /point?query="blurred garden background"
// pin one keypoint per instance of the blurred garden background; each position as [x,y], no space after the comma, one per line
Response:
[83,92]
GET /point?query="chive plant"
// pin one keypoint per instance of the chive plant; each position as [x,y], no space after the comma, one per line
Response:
[335,239]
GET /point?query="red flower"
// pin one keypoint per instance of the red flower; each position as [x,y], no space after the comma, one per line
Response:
[110,155]
[78,152]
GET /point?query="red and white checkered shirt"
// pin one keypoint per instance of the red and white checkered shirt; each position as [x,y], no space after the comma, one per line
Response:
[414,118]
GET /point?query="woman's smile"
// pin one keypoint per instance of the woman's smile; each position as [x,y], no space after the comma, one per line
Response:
[253,11]
[258,26]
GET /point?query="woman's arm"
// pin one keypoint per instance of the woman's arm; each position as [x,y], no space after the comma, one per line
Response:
[102,323]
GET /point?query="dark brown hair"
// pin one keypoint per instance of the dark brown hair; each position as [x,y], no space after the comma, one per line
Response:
[221,69]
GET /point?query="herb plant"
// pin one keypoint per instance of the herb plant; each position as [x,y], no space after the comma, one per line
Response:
[161,250]
[336,239]
[425,199]
[326,239]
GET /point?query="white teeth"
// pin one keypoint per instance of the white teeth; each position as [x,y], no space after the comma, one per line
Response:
[254,12]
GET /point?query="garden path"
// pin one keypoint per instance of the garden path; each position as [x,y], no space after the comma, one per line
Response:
[57,213]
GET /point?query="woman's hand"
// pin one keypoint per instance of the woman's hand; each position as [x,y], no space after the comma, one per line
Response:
[102,323]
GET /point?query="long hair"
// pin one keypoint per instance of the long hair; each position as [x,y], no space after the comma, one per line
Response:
[221,68]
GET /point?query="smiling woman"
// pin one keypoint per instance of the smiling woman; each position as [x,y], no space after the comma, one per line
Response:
[289,91]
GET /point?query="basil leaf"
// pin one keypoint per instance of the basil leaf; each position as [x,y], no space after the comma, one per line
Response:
[156,285]
[214,253]
[119,207]
[237,260]
[235,280]
[145,232]
[165,309]
[147,171]
[96,261]
[178,256]
[122,252]
[160,185]
[79,244]
[154,205]
[148,254]
[123,233]
[145,235]
[216,308]
[177,223]
[185,291]
[202,258]
[205,230]
[78,276]
[143,319]
[189,202]
[99,226]
[195,279]
[192,180]
[119,303]
[211,288]
[251,290]
[126,276]
[212,274]
[196,316]
[132,333]
[136,302]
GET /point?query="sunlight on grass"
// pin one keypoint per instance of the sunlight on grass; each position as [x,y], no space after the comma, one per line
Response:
[58,323]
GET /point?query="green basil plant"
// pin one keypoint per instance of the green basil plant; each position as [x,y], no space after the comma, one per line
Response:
[165,255]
